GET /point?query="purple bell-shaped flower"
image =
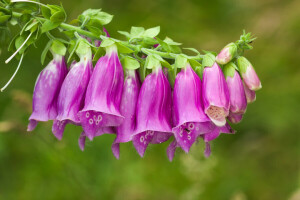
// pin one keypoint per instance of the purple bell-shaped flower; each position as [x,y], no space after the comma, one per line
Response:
[103,96]
[250,94]
[46,90]
[130,94]
[215,94]
[153,111]
[238,101]
[189,118]
[71,96]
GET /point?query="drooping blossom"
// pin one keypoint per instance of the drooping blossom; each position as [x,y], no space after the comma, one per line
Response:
[248,73]
[237,97]
[71,96]
[235,117]
[215,94]
[46,90]
[214,132]
[153,112]
[189,118]
[103,96]
[250,94]
[226,54]
[129,100]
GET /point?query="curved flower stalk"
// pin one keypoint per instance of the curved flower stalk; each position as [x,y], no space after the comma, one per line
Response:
[189,118]
[153,112]
[248,73]
[46,90]
[238,101]
[215,95]
[250,94]
[129,100]
[103,96]
[71,96]
[227,54]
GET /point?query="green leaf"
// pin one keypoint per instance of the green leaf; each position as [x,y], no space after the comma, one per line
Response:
[180,61]
[70,34]
[152,32]
[164,45]
[72,49]
[32,26]
[83,48]
[194,64]
[199,71]
[169,41]
[107,42]
[46,12]
[150,41]
[45,51]
[58,17]
[19,41]
[123,49]
[124,33]
[151,61]
[211,52]
[94,30]
[193,50]
[58,48]
[208,60]
[4,18]
[49,25]
[172,72]
[99,53]
[130,63]
[136,32]
[95,17]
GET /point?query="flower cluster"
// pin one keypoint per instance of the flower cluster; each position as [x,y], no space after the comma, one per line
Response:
[112,99]
[143,89]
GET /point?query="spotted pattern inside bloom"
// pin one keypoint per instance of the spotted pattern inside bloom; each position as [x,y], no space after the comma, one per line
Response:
[58,128]
[91,121]
[217,115]
[142,140]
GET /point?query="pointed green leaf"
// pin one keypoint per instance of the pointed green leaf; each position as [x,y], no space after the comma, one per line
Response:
[45,51]
[152,32]
[130,63]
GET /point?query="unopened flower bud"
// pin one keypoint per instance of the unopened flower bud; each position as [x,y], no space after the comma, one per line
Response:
[248,73]
[226,54]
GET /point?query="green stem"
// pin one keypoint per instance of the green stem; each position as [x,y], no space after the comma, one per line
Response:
[136,48]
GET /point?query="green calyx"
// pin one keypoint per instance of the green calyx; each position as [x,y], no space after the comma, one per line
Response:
[208,60]
[242,64]
[229,69]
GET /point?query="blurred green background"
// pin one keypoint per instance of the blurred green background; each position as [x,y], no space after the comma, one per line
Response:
[260,162]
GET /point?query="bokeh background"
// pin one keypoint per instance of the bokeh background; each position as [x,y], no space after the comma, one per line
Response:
[260,162]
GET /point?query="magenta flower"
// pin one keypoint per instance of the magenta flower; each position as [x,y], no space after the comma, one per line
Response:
[238,101]
[250,94]
[189,118]
[235,117]
[103,96]
[248,73]
[129,100]
[153,111]
[46,90]
[215,95]
[226,54]
[71,96]
[214,132]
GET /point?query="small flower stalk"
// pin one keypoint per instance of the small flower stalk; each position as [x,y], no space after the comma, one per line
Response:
[103,96]
[72,93]
[248,73]
[46,90]
[153,114]
[215,95]
[227,54]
